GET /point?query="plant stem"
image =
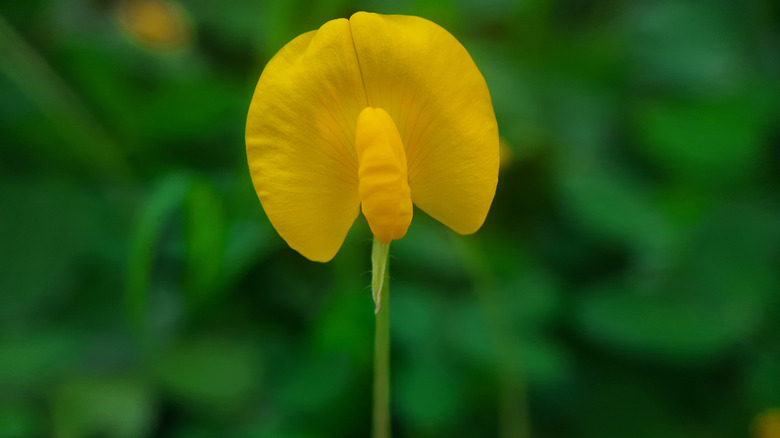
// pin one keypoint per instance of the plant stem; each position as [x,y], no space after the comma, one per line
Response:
[514,417]
[381,415]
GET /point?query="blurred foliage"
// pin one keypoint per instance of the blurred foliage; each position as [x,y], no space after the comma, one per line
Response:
[627,275]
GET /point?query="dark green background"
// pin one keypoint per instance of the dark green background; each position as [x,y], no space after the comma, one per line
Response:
[627,274]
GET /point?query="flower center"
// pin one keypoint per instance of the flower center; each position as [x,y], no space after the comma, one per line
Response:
[385,196]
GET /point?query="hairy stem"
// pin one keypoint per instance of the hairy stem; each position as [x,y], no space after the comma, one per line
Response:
[381,414]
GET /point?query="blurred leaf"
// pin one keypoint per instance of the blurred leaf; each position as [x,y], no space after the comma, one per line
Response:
[95,66]
[528,294]
[469,331]
[218,375]
[501,327]
[206,242]
[531,299]
[195,109]
[542,360]
[247,243]
[686,46]
[155,216]
[491,10]
[416,318]
[761,383]
[514,98]
[33,361]
[345,325]
[268,24]
[47,228]
[583,119]
[18,421]
[615,205]
[87,144]
[596,58]
[714,297]
[619,402]
[427,249]
[537,357]
[714,141]
[662,329]
[314,384]
[274,427]
[429,395]
[121,408]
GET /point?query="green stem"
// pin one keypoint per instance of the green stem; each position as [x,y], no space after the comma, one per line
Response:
[515,420]
[381,414]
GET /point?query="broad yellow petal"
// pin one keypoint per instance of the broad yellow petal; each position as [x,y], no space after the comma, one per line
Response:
[300,140]
[426,80]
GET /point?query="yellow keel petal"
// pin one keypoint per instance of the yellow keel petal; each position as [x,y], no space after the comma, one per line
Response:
[384,189]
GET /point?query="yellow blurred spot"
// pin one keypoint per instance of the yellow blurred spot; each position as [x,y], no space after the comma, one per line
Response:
[155,24]
[767,424]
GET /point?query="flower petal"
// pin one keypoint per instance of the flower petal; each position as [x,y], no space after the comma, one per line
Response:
[426,80]
[300,140]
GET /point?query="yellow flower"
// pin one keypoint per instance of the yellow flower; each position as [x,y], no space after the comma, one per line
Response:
[379,112]
[155,24]
[767,424]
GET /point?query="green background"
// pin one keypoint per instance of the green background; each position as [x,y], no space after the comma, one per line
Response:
[625,283]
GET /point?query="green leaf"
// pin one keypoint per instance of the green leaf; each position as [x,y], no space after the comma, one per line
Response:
[210,375]
[206,242]
[429,394]
[315,383]
[713,294]
[616,205]
[33,361]
[164,201]
[715,142]
[686,46]
[83,141]
[427,248]
[94,406]
[48,228]
[19,421]
[247,243]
